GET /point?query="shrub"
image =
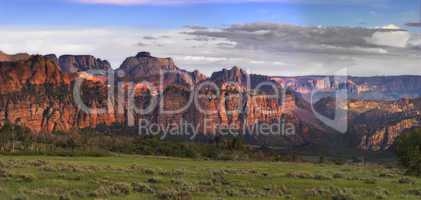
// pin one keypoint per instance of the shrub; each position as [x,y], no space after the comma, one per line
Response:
[415,192]
[370,181]
[381,193]
[174,195]
[154,180]
[322,159]
[78,193]
[120,189]
[408,150]
[4,173]
[406,181]
[322,177]
[102,191]
[338,176]
[342,197]
[148,171]
[26,178]
[386,175]
[142,188]
[232,192]
[339,161]
[65,197]
[20,197]
[302,175]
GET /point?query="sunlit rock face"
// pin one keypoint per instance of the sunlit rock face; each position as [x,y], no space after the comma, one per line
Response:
[145,67]
[37,92]
[36,70]
[77,63]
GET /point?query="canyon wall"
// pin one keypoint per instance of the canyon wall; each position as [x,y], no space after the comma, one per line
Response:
[37,92]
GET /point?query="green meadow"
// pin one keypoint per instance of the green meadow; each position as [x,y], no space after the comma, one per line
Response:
[142,177]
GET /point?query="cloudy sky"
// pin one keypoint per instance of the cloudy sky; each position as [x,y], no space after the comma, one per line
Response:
[274,37]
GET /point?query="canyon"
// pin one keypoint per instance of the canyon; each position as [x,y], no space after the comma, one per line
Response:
[37,92]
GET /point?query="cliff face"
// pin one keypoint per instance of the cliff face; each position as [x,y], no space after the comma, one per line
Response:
[34,71]
[365,88]
[72,63]
[235,74]
[38,95]
[384,138]
[375,125]
[37,92]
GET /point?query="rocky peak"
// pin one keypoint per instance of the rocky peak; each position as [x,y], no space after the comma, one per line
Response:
[145,66]
[143,54]
[78,63]
[52,57]
[235,74]
[12,58]
[197,76]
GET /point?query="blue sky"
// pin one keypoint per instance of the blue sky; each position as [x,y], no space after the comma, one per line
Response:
[73,13]
[276,37]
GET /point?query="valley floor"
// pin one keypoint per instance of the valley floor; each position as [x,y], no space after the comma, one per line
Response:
[140,177]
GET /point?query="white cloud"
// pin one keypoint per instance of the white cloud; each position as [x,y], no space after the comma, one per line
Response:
[392,39]
[263,54]
[280,63]
[257,62]
[392,27]
[324,50]
[202,58]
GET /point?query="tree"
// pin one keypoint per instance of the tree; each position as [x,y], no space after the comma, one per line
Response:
[408,150]
[12,135]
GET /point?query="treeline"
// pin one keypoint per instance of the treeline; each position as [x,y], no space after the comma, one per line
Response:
[90,142]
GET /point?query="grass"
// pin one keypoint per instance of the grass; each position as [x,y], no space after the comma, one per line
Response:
[142,177]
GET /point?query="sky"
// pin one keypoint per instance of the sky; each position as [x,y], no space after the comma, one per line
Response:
[272,37]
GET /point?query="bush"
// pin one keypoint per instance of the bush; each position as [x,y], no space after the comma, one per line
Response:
[369,181]
[154,180]
[338,176]
[118,189]
[142,188]
[65,197]
[408,150]
[415,192]
[4,173]
[301,175]
[174,195]
[406,181]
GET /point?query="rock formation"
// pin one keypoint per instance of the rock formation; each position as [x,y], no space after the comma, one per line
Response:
[72,63]
[13,58]
[37,92]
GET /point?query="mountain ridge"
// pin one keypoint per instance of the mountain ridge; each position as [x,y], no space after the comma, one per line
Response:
[36,93]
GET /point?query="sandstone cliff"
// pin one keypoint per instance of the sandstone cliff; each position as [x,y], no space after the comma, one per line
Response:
[72,63]
[37,92]
[13,58]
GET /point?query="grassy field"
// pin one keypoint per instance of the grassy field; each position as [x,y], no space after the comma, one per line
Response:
[138,177]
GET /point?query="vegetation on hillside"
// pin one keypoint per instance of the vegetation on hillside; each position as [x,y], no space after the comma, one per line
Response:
[408,149]
[89,142]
